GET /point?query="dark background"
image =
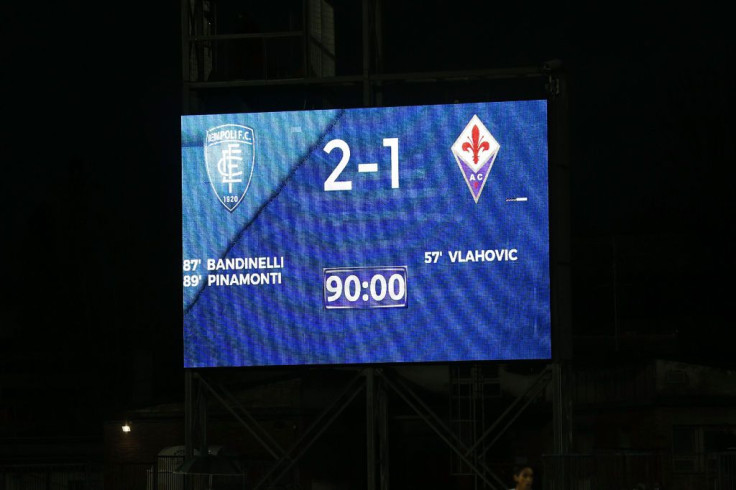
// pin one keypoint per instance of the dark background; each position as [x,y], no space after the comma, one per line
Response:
[91,322]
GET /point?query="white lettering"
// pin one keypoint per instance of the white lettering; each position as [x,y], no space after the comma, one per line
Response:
[245,263]
[230,135]
[253,279]
[490,255]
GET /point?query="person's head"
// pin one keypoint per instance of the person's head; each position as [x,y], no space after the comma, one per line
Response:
[523,477]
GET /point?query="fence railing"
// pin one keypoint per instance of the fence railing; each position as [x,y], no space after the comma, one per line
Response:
[604,471]
[632,470]
[62,476]
[624,470]
[721,470]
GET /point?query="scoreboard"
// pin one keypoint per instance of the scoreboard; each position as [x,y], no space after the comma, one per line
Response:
[359,236]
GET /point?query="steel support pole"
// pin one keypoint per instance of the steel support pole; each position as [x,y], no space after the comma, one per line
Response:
[560,274]
[366,17]
[188,422]
[562,415]
[383,454]
[202,416]
[185,51]
[378,32]
[370,427]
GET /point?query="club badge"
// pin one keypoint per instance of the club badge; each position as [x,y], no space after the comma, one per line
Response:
[229,153]
[475,151]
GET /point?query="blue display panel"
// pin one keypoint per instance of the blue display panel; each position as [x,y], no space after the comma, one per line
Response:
[380,235]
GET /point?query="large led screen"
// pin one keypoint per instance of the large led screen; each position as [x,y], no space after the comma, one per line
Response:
[356,236]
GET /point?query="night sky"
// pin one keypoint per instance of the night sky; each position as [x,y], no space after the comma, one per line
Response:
[92,236]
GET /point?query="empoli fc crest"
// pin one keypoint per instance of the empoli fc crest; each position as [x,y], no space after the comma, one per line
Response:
[229,153]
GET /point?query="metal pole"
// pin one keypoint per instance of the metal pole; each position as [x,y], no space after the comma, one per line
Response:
[378,30]
[305,38]
[614,275]
[562,415]
[202,408]
[188,423]
[370,427]
[366,53]
[561,257]
[383,454]
[185,55]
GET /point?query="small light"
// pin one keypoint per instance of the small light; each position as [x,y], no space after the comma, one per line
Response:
[126,427]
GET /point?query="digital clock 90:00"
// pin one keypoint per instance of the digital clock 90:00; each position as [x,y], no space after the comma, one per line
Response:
[365,287]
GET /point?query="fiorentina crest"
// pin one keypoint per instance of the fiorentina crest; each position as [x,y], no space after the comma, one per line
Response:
[229,153]
[475,150]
